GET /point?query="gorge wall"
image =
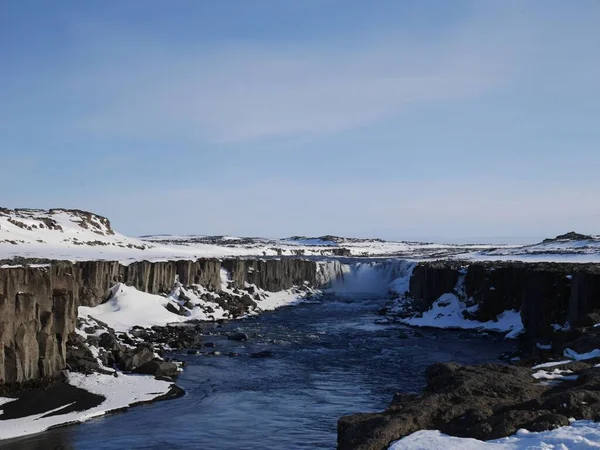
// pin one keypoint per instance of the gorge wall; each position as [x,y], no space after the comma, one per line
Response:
[38,303]
[546,294]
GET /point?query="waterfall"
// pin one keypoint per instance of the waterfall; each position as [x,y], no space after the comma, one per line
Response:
[374,277]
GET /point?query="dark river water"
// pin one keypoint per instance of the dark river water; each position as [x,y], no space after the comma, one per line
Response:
[330,359]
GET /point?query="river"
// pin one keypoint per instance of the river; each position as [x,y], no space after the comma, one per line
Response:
[329,359]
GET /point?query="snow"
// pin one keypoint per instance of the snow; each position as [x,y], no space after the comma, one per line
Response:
[278,299]
[579,435]
[120,392]
[129,307]
[551,364]
[447,312]
[556,250]
[77,235]
[556,374]
[581,356]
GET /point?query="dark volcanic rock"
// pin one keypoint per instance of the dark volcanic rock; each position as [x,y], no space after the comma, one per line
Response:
[262,354]
[131,359]
[158,368]
[81,360]
[237,336]
[570,236]
[483,402]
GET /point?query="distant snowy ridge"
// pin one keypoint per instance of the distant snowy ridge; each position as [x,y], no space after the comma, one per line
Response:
[72,234]
[569,247]
[80,235]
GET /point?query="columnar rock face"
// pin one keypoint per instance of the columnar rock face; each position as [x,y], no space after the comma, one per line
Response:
[545,293]
[271,275]
[95,277]
[37,313]
[429,281]
[38,304]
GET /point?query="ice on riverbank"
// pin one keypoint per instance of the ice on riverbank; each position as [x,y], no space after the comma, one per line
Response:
[580,435]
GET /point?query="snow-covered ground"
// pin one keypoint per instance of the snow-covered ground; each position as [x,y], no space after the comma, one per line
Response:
[580,435]
[119,392]
[80,235]
[567,248]
[129,307]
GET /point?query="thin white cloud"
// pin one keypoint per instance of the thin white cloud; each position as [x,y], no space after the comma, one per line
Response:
[132,85]
[241,91]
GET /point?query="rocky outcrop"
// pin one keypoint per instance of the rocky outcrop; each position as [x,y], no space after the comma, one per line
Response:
[38,303]
[482,402]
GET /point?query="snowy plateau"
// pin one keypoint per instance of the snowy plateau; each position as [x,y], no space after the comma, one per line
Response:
[63,234]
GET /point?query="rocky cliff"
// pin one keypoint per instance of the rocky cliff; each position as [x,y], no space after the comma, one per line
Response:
[546,294]
[37,312]
[272,274]
[38,303]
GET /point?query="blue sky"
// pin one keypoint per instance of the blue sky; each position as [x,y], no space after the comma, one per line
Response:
[438,120]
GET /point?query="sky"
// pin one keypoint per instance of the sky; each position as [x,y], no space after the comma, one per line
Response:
[401,119]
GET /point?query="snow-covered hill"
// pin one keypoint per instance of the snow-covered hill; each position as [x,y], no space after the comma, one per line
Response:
[80,235]
[569,247]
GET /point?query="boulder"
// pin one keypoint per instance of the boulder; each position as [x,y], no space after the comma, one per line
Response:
[130,359]
[158,369]
[237,336]
[262,354]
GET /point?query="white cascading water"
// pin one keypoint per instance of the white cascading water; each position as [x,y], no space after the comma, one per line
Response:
[373,277]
